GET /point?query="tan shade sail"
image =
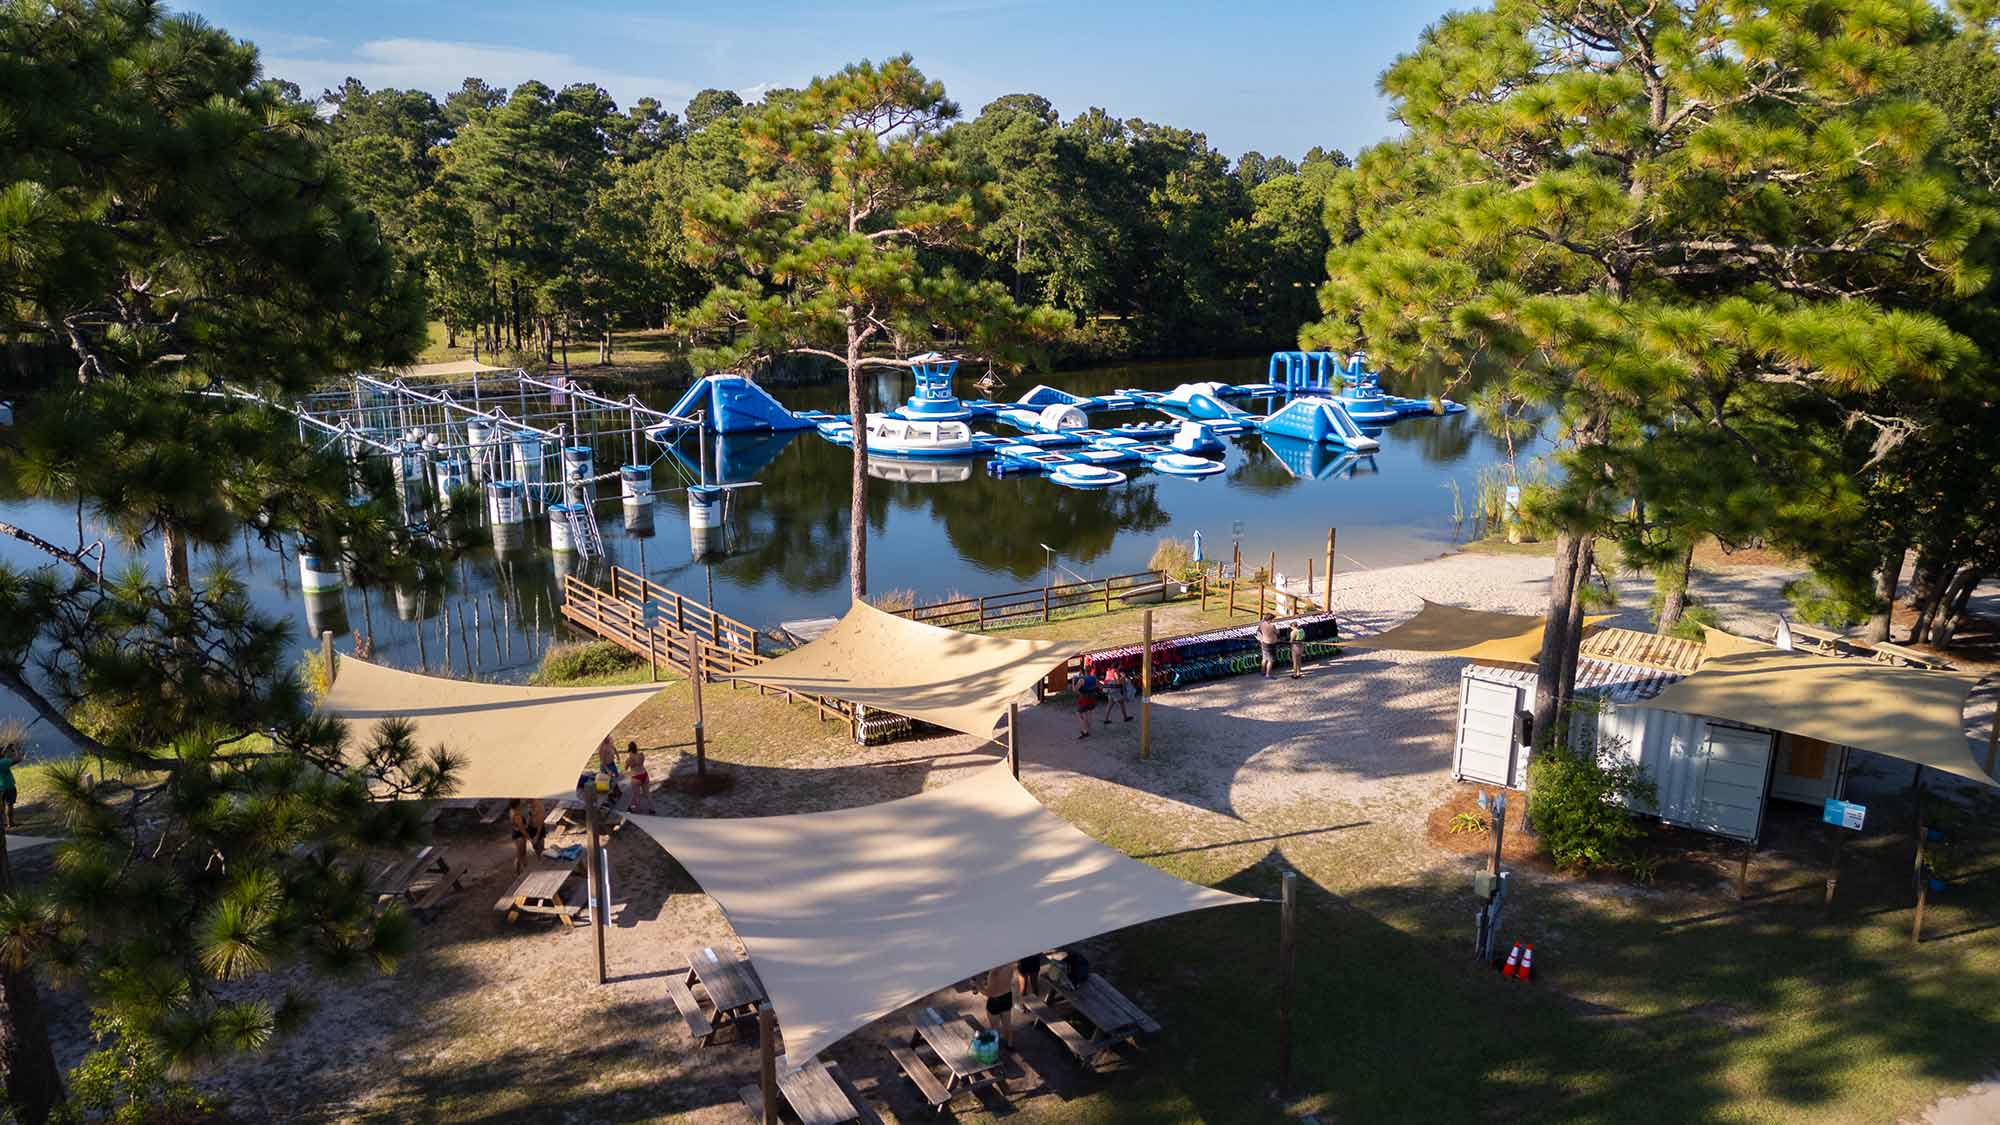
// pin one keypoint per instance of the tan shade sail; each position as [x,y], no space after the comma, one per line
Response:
[960,681]
[852,914]
[1447,630]
[513,741]
[1897,712]
[1716,643]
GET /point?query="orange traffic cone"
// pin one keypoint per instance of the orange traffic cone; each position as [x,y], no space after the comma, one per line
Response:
[1513,961]
[1527,963]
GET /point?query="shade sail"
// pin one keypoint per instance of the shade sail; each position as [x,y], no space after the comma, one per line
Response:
[852,914]
[1897,712]
[1447,630]
[513,741]
[961,681]
[1716,643]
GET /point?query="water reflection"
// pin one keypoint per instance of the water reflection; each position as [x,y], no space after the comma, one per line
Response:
[777,549]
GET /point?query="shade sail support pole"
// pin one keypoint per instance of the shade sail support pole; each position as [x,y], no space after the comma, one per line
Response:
[1013,744]
[594,870]
[767,1061]
[1145,686]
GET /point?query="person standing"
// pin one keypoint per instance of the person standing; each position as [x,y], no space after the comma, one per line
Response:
[519,828]
[1298,639]
[1118,689]
[1089,693]
[1267,643]
[9,792]
[635,768]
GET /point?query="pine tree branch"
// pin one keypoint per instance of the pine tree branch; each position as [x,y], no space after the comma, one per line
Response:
[48,548]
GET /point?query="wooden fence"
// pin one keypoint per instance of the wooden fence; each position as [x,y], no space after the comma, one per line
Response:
[1038,604]
[725,645]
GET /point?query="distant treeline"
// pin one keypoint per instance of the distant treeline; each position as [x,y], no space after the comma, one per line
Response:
[543,220]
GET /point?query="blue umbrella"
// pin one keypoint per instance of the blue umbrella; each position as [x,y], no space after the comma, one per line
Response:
[1197,546]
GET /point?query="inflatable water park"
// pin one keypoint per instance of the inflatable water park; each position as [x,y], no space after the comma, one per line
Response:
[1320,412]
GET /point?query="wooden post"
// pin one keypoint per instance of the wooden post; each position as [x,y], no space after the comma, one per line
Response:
[1045,601]
[1232,597]
[326,656]
[1329,570]
[591,871]
[1923,887]
[1204,610]
[1014,747]
[652,652]
[1235,560]
[1499,838]
[1833,869]
[1287,950]
[767,1061]
[1146,686]
[1743,872]
[700,739]
[982,613]
[1107,596]
[1309,586]
[1271,580]
[1261,587]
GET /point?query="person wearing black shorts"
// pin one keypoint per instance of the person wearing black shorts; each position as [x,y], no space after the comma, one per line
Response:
[1000,1001]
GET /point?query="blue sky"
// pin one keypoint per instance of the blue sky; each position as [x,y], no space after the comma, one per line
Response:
[1274,76]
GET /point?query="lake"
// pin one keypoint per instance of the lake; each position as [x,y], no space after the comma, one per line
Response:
[780,553]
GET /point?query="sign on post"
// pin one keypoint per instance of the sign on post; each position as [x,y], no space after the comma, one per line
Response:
[1844,814]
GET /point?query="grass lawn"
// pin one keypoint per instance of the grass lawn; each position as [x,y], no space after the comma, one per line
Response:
[636,354]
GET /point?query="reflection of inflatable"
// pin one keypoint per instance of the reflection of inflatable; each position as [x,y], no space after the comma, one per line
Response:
[1086,476]
[732,404]
[326,612]
[1321,422]
[918,472]
[1182,465]
[1314,461]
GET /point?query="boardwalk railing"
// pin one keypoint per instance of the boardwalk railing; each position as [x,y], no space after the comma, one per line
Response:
[1038,604]
[725,645]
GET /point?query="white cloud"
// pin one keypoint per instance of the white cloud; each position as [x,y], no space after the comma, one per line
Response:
[441,65]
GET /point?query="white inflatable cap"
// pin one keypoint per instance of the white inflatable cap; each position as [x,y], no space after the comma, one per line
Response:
[1061,416]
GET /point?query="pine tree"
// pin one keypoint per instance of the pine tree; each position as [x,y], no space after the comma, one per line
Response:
[831,244]
[1661,211]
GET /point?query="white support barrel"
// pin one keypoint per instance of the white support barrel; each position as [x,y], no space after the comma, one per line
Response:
[636,483]
[479,441]
[528,461]
[413,481]
[704,506]
[453,474]
[510,539]
[318,574]
[506,503]
[562,539]
[579,463]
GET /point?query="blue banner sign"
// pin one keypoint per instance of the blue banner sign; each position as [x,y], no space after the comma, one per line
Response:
[1844,814]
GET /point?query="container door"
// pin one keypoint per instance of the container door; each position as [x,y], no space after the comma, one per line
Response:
[1735,766]
[1486,732]
[1806,770]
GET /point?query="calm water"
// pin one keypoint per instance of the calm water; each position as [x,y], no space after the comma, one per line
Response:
[781,552]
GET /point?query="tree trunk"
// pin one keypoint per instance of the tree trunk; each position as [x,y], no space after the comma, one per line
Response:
[450,335]
[604,349]
[27,1061]
[514,302]
[857,517]
[1676,579]
[1951,609]
[1887,577]
[1551,689]
[1927,589]
[174,547]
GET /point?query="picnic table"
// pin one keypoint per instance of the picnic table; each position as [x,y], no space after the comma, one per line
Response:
[1112,1017]
[1894,653]
[540,892]
[950,1039]
[1825,640]
[728,981]
[814,1091]
[429,866]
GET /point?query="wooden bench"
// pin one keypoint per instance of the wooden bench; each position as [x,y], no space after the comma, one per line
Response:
[1086,1051]
[919,1072]
[813,1092]
[697,1021]
[449,880]
[1885,651]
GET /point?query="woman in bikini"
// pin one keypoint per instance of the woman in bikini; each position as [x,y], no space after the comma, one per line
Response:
[635,768]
